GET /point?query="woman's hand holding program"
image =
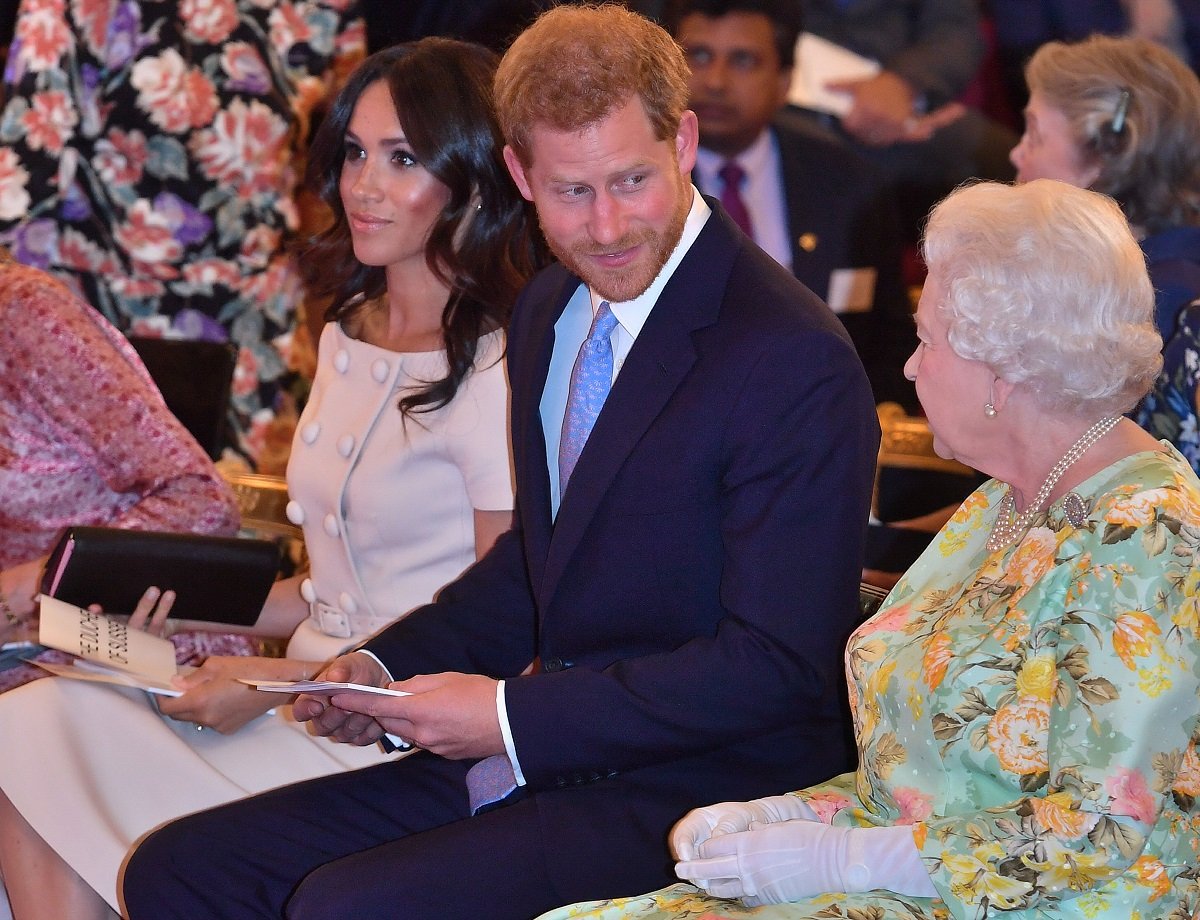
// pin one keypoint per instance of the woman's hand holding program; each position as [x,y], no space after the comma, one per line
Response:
[214,697]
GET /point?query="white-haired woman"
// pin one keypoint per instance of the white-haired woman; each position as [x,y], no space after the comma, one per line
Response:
[1025,700]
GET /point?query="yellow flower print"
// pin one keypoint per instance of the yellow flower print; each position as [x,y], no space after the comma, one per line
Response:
[920,832]
[975,504]
[1065,869]
[1187,614]
[1032,559]
[1133,636]
[936,659]
[1038,677]
[1154,681]
[1153,874]
[677,898]
[1017,735]
[1137,510]
[973,876]
[1187,780]
[1017,632]
[1056,814]
[1094,904]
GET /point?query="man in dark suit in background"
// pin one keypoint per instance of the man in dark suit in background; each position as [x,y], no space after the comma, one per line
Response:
[803,194]
[685,574]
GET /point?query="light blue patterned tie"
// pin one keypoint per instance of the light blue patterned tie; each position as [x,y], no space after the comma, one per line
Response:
[591,379]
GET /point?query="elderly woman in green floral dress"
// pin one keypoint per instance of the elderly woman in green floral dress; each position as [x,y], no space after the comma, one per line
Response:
[1026,700]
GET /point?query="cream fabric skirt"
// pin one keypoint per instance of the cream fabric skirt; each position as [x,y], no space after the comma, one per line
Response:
[93,768]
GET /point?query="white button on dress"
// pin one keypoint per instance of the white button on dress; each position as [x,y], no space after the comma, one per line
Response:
[295,513]
[380,370]
[341,361]
[310,431]
[307,591]
[331,526]
[345,445]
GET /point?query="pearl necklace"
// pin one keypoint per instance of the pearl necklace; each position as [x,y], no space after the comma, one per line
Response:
[1009,526]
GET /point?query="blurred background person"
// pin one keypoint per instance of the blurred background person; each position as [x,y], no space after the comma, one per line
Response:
[1025,699]
[907,119]
[1023,26]
[803,195]
[158,179]
[400,477]
[1122,116]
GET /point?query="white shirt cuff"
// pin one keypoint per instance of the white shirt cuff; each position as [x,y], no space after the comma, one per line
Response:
[506,733]
[363,651]
[397,743]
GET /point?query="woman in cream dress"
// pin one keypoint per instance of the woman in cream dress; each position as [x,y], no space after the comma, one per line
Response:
[399,477]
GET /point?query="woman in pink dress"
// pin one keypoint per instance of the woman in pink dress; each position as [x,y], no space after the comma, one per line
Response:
[85,439]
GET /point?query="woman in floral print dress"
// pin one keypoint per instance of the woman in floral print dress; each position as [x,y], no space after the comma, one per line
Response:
[148,156]
[1026,700]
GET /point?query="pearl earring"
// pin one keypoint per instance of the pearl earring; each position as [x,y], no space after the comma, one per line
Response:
[989,410]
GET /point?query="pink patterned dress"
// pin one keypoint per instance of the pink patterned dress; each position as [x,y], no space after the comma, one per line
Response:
[85,437]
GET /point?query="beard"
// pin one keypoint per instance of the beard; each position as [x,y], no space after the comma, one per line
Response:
[619,285]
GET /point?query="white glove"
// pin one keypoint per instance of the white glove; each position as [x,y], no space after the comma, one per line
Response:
[700,824]
[786,861]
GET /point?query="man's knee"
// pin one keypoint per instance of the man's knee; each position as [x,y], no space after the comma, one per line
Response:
[150,871]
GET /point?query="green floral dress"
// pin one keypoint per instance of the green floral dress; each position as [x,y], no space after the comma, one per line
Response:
[1031,712]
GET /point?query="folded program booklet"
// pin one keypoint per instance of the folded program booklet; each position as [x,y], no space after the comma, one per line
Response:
[318,686]
[106,645]
[216,579]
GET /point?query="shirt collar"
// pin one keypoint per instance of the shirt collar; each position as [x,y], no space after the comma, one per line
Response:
[632,314]
[755,160]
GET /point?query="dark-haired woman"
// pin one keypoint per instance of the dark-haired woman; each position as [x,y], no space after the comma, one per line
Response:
[399,476]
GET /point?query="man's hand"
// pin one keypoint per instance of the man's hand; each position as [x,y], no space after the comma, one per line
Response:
[882,108]
[327,718]
[450,714]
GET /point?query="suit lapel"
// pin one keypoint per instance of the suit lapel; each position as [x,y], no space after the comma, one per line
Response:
[529,439]
[660,359]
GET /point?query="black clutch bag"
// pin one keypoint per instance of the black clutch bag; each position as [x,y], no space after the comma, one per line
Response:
[217,579]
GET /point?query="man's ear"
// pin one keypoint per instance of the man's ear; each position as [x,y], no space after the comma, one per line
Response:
[687,139]
[517,171]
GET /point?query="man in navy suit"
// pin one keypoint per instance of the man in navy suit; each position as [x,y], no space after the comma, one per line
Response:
[810,201]
[685,583]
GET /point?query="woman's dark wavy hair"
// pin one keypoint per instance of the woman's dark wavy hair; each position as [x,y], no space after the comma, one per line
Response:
[442,91]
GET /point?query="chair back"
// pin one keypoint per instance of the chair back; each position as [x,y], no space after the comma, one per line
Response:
[910,479]
[194,378]
[262,501]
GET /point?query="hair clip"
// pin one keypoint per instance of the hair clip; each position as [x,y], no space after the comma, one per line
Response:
[1118,121]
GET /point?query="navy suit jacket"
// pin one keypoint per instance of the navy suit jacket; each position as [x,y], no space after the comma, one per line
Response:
[690,604]
[840,217]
